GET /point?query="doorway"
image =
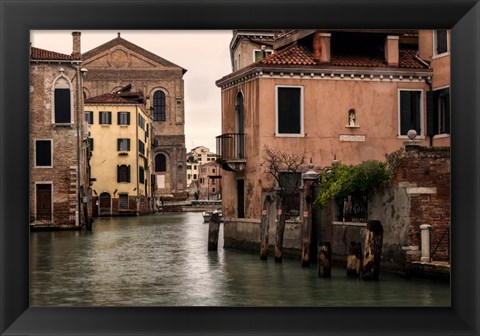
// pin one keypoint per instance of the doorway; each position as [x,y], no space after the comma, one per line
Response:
[241,198]
[44,201]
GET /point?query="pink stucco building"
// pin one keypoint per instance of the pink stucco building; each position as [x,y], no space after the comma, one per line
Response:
[345,95]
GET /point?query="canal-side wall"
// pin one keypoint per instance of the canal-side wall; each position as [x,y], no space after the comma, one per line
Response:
[418,194]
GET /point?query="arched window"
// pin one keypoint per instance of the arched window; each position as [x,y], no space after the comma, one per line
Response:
[62,102]
[160,163]
[159,106]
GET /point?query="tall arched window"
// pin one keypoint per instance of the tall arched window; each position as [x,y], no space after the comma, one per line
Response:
[62,103]
[159,106]
[160,163]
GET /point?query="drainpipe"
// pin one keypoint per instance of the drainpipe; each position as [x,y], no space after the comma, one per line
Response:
[77,108]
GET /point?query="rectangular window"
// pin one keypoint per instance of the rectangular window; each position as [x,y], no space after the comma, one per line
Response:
[189,176]
[194,176]
[259,54]
[202,180]
[189,167]
[43,153]
[213,170]
[410,111]
[141,122]
[123,201]
[141,147]
[89,117]
[440,41]
[141,175]
[90,144]
[204,170]
[62,106]
[438,112]
[123,173]
[123,144]
[289,110]
[123,118]
[105,118]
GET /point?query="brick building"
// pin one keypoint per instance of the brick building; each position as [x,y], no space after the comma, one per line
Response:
[117,63]
[60,194]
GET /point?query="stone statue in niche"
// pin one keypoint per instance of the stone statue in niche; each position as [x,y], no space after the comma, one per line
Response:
[352,116]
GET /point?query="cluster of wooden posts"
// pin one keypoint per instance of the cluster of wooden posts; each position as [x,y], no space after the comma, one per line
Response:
[364,264]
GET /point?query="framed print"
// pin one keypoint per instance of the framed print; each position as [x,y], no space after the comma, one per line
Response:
[19,18]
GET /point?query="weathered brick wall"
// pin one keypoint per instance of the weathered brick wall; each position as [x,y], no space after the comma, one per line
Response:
[427,171]
[62,174]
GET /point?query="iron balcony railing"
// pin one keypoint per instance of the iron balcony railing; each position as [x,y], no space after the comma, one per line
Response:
[231,146]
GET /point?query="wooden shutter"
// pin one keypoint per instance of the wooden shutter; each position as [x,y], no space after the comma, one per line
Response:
[289,112]
[447,113]
[128,173]
[62,106]
[432,113]
[118,173]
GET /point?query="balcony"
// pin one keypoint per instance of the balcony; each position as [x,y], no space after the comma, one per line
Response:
[231,151]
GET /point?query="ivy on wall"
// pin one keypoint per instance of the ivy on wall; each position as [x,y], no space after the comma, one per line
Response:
[341,180]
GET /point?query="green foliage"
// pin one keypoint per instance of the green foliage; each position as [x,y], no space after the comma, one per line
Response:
[342,180]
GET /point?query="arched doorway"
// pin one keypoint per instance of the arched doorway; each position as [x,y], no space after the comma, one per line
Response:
[105,204]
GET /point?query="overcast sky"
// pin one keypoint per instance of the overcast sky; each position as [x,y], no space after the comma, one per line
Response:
[205,54]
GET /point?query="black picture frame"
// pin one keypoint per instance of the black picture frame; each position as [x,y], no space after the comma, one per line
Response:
[18,17]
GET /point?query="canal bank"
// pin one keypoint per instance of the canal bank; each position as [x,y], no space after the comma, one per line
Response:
[244,235]
[163,260]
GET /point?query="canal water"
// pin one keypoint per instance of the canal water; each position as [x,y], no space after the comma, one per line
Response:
[162,260]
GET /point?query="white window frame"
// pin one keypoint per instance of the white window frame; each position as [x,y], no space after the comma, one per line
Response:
[35,153]
[422,112]
[434,44]
[302,114]
[442,135]
[52,97]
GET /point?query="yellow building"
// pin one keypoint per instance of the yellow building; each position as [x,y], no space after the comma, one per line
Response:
[120,132]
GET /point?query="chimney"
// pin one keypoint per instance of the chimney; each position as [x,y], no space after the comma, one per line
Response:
[76,45]
[391,50]
[321,47]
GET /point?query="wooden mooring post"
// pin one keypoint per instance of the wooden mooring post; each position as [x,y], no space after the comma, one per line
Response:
[265,226]
[354,260]
[324,260]
[213,231]
[373,250]
[278,250]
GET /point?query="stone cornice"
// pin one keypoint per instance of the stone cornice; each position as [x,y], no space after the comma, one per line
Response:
[327,73]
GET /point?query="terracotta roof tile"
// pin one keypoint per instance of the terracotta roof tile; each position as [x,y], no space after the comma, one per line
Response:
[41,54]
[298,54]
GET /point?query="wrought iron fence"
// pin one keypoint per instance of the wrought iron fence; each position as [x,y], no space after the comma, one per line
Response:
[440,243]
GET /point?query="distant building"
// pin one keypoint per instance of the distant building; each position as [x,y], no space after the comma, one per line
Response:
[121,130]
[118,63]
[196,157]
[209,185]
[60,194]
